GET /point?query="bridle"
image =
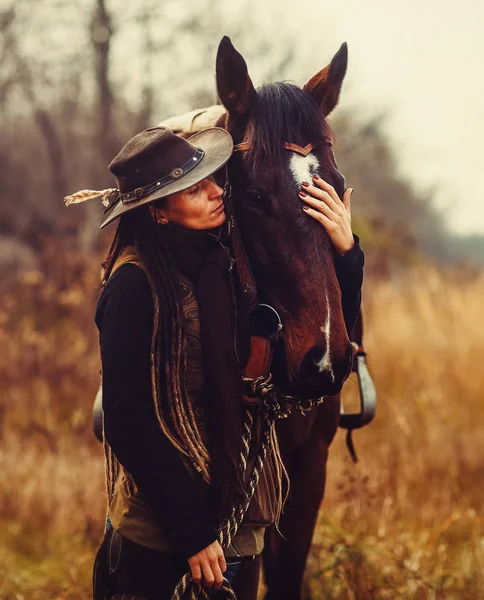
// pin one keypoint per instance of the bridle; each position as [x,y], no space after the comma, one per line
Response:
[303,150]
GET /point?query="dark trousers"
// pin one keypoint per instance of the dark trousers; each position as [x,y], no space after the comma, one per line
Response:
[123,567]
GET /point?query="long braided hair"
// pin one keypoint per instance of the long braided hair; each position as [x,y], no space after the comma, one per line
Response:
[168,353]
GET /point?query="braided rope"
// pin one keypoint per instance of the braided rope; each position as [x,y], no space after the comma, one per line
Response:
[229,528]
[197,592]
[186,588]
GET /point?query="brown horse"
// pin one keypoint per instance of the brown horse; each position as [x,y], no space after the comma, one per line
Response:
[282,138]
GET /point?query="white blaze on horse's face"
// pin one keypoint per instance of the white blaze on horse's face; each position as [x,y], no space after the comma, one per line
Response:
[303,167]
[325,363]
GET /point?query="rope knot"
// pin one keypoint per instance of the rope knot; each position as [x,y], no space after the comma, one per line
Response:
[273,404]
[188,589]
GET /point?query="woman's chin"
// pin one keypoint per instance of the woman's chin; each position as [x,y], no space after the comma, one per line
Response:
[220,219]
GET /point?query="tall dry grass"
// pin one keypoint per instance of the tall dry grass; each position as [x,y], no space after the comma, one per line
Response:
[403,523]
[51,491]
[406,522]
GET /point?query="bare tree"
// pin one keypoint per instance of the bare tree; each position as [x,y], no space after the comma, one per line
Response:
[101,34]
[101,30]
[21,77]
[145,21]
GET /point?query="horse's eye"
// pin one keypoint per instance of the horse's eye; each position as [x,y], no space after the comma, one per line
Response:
[256,199]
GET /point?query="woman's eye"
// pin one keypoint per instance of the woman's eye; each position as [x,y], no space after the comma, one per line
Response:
[194,189]
[256,199]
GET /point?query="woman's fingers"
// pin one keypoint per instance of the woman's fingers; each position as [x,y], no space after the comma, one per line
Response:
[222,563]
[323,204]
[325,195]
[322,196]
[207,566]
[212,574]
[208,575]
[218,576]
[323,219]
[319,205]
[196,572]
[327,188]
[347,199]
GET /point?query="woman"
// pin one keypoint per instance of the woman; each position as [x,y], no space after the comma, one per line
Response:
[172,354]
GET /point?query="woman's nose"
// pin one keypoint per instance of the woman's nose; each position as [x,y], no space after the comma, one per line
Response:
[215,190]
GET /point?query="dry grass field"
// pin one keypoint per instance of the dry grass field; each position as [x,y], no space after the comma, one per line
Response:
[405,522]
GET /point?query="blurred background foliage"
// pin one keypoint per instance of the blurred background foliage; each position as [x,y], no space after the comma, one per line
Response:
[77,79]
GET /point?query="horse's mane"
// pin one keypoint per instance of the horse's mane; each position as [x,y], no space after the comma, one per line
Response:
[283,112]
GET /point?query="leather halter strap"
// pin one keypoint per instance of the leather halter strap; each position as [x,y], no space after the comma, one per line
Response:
[249,288]
[304,151]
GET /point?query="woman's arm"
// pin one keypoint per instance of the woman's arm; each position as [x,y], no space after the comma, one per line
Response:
[349,271]
[125,320]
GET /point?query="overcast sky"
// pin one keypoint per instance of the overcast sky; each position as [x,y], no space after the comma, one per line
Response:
[422,60]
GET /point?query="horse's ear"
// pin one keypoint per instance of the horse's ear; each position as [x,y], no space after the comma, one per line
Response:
[325,86]
[234,85]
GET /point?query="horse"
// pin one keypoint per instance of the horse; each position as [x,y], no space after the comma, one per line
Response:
[282,138]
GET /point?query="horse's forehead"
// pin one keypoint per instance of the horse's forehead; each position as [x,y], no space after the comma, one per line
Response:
[303,167]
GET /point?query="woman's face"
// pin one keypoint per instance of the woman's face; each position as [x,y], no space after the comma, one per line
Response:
[198,207]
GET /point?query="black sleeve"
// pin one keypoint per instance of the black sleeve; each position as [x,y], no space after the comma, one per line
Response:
[349,271]
[125,320]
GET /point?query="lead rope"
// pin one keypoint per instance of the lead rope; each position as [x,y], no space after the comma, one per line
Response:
[186,588]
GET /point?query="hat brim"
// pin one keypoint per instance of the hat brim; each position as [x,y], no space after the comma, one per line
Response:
[217,145]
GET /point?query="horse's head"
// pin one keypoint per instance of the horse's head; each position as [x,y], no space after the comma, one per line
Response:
[284,140]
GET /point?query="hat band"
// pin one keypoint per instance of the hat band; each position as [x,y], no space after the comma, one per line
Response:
[178,173]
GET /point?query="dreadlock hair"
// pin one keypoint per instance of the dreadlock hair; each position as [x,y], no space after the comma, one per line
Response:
[168,355]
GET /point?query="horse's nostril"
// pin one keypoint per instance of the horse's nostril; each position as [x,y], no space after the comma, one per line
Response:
[321,374]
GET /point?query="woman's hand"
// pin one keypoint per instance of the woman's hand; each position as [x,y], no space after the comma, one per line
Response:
[324,205]
[208,565]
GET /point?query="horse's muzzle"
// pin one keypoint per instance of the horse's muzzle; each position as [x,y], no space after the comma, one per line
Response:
[322,373]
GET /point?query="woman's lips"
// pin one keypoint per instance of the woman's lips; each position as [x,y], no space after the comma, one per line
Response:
[221,205]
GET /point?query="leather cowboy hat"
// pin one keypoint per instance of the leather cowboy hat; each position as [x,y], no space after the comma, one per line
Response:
[156,163]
